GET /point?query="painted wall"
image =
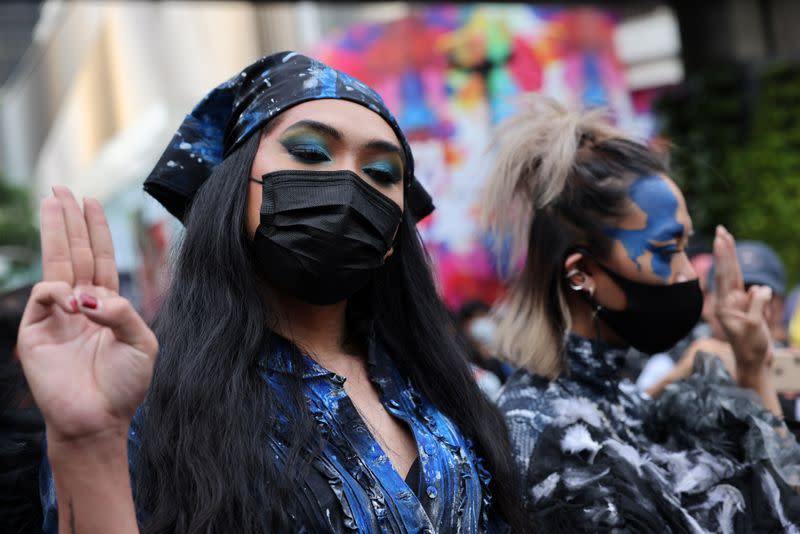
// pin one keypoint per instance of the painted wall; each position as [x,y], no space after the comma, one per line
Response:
[450,73]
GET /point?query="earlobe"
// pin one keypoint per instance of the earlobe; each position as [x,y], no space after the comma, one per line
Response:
[576,276]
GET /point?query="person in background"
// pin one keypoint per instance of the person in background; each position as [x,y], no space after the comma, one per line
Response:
[790,318]
[479,328]
[760,266]
[305,381]
[21,427]
[604,231]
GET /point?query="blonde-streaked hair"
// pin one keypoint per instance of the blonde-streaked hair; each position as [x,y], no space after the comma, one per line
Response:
[559,177]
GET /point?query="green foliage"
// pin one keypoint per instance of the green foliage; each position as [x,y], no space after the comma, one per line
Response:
[19,238]
[736,135]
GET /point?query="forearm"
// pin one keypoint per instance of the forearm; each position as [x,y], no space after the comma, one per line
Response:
[658,388]
[93,485]
[761,382]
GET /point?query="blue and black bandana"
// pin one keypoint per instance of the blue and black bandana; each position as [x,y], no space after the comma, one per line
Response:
[241,106]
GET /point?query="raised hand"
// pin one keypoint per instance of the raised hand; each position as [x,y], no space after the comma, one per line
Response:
[87,355]
[741,313]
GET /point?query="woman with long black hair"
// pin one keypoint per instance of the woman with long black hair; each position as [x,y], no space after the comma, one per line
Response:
[604,232]
[303,381]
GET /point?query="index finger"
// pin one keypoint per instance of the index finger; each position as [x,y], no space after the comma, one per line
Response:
[105,266]
[79,246]
[56,258]
[727,273]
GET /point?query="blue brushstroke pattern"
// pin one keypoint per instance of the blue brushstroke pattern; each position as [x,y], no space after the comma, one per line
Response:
[655,198]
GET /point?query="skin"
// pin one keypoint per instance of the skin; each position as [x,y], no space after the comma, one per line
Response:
[88,356]
[740,313]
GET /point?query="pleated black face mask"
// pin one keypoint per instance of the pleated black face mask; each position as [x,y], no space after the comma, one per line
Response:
[322,234]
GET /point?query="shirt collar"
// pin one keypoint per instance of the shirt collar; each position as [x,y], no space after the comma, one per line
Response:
[281,360]
[279,357]
[593,360]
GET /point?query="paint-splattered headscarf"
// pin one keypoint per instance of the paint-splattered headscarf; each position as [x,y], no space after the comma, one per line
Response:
[241,106]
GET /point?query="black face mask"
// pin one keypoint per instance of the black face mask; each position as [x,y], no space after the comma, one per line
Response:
[322,234]
[656,316]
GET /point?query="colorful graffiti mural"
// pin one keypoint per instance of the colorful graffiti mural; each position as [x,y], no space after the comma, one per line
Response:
[450,73]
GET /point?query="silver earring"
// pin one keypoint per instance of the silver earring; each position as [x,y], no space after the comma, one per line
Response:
[578,286]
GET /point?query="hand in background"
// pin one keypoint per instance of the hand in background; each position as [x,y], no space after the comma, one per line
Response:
[742,315]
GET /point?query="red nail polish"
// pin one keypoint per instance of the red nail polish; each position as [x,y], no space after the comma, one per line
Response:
[73,304]
[88,301]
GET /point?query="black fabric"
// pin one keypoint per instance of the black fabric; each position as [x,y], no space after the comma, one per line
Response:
[241,106]
[597,455]
[656,316]
[21,433]
[322,234]
[413,478]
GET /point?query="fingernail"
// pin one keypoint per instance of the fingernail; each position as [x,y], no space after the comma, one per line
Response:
[73,304]
[88,301]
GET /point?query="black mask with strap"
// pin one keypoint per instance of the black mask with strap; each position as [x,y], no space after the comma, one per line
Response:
[656,316]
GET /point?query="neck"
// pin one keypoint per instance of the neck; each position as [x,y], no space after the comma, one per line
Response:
[317,330]
[585,324]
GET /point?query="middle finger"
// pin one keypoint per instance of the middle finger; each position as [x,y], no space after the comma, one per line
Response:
[79,244]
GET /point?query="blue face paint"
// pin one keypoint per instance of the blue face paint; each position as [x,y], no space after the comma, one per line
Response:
[654,197]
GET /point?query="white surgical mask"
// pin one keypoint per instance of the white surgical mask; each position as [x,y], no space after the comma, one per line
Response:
[483,330]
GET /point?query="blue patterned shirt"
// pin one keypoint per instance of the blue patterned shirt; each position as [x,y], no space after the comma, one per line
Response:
[352,485]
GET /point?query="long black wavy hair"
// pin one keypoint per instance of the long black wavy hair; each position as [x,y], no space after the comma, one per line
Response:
[204,465]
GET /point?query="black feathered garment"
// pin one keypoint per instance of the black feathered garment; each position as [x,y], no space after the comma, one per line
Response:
[597,455]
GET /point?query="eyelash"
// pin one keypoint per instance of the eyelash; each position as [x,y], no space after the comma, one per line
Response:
[671,250]
[308,154]
[382,176]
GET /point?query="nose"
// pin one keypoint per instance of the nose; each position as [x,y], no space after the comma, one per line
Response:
[682,269]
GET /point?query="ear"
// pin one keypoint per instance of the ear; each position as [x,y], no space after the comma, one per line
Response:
[577,275]
[389,254]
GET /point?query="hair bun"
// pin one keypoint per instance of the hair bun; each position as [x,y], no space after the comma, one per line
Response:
[535,152]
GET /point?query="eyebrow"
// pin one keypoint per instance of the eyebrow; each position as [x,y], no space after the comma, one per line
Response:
[384,146]
[320,127]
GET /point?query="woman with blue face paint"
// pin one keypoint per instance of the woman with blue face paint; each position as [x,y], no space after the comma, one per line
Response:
[604,232]
[302,383]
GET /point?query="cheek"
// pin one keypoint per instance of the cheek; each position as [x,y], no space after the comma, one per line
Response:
[681,269]
[396,195]
[254,193]
[663,266]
